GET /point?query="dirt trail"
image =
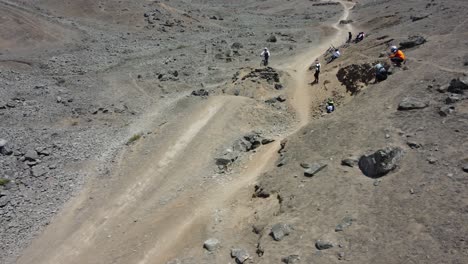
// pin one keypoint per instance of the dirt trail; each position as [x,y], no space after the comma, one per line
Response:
[153,207]
[298,68]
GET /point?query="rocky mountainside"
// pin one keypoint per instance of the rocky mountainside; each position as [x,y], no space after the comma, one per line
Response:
[148,132]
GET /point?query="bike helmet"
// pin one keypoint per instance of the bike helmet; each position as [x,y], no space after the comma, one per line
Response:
[393,49]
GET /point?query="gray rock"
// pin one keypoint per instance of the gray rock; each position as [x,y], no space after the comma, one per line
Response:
[345,223]
[344,22]
[443,88]
[380,162]
[272,39]
[4,150]
[38,171]
[410,103]
[31,155]
[280,230]
[413,144]
[283,160]
[241,145]
[211,244]
[281,98]
[236,46]
[266,141]
[200,92]
[313,169]
[227,159]
[446,110]
[278,86]
[323,244]
[240,255]
[412,41]
[349,162]
[453,98]
[291,259]
[4,200]
[465,167]
[431,160]
[458,86]
[255,139]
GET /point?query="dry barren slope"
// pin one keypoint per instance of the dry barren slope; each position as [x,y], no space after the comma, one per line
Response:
[70,107]
[416,214]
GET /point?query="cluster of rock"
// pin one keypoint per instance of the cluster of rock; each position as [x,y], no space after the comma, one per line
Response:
[269,74]
[355,76]
[164,19]
[455,93]
[247,143]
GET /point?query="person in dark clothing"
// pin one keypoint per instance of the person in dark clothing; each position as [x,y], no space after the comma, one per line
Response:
[380,73]
[317,71]
[350,37]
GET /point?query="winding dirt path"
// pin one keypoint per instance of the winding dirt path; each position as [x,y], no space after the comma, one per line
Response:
[157,203]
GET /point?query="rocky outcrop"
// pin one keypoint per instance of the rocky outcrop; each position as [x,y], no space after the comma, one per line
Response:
[380,162]
[412,42]
[458,86]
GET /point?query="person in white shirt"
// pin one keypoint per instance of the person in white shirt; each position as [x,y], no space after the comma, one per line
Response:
[317,71]
[266,55]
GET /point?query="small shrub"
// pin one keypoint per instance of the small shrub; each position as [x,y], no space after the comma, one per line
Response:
[133,139]
[4,181]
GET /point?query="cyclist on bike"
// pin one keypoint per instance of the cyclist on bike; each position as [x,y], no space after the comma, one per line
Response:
[266,55]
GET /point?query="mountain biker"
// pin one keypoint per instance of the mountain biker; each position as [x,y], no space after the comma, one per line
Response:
[266,55]
[330,106]
[336,54]
[380,73]
[359,37]
[397,56]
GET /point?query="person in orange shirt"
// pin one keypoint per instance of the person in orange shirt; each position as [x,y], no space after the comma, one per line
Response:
[397,56]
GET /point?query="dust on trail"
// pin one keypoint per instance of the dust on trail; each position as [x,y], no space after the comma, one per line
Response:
[105,230]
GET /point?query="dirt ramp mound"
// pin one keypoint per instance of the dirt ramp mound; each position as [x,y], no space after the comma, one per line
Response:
[260,83]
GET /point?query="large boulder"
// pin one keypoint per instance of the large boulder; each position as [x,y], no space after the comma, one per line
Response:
[410,103]
[380,162]
[272,38]
[412,41]
[458,86]
[280,230]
